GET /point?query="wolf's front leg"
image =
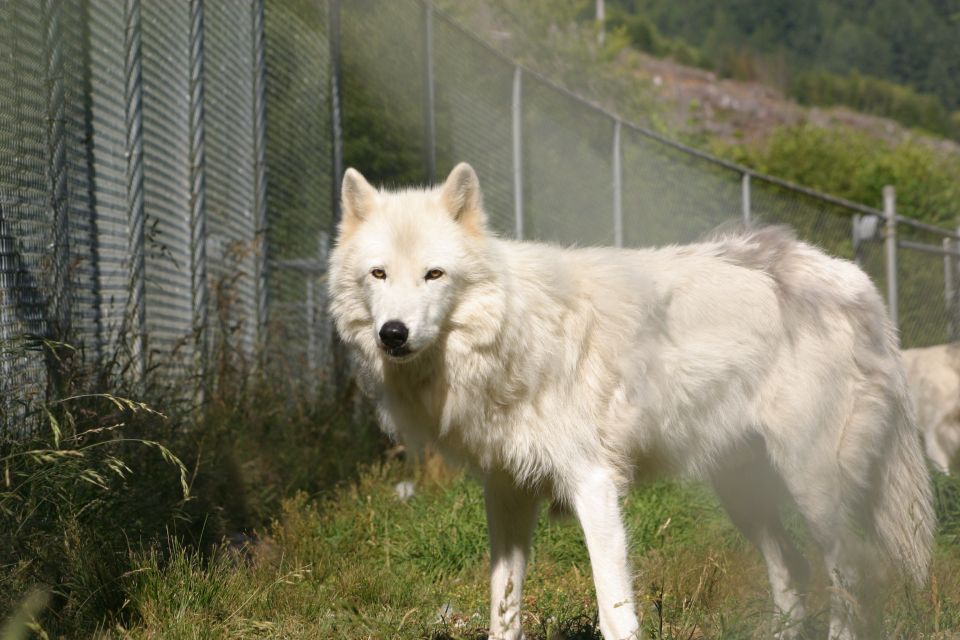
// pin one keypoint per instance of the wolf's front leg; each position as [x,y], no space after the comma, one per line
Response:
[597,505]
[511,515]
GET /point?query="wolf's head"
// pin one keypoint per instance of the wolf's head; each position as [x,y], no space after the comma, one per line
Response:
[403,260]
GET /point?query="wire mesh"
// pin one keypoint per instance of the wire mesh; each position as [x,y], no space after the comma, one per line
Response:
[812,219]
[231,240]
[924,303]
[26,199]
[670,196]
[71,176]
[108,170]
[86,325]
[473,114]
[301,190]
[383,63]
[567,168]
[166,162]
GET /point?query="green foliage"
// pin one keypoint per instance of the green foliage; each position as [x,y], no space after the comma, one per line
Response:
[856,166]
[872,95]
[909,43]
[299,149]
[644,35]
[63,485]
[382,76]
[558,38]
[894,58]
[110,481]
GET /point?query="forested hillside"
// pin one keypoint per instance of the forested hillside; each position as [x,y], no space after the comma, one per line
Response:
[898,58]
[736,79]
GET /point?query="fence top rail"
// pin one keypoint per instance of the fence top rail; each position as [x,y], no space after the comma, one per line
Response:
[650,133]
[928,248]
[923,226]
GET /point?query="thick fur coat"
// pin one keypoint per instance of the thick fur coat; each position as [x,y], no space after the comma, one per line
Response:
[933,374]
[752,361]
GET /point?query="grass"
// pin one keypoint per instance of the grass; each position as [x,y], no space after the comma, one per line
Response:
[290,527]
[105,482]
[361,563]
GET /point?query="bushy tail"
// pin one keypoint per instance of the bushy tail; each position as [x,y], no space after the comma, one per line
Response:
[904,520]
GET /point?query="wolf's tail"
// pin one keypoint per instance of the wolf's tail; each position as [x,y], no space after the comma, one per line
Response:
[903,515]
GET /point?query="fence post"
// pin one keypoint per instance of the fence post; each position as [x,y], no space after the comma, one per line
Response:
[948,287]
[7,283]
[617,185]
[341,367]
[601,22]
[956,289]
[59,320]
[890,241]
[855,237]
[310,310]
[336,108]
[198,205]
[517,114]
[745,198]
[92,215]
[136,308]
[260,182]
[429,99]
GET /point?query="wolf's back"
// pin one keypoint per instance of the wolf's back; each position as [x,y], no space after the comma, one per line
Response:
[885,461]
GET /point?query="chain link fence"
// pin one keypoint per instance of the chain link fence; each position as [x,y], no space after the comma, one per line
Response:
[169,174]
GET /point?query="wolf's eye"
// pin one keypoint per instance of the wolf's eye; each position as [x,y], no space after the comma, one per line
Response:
[379,274]
[433,274]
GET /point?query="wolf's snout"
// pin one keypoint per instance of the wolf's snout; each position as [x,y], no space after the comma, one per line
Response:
[394,334]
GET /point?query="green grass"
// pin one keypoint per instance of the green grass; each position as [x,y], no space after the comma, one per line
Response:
[361,563]
[289,531]
[105,483]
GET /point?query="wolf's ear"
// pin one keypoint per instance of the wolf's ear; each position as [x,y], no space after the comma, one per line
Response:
[462,197]
[357,198]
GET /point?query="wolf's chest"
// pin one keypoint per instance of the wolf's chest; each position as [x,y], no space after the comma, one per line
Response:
[457,425]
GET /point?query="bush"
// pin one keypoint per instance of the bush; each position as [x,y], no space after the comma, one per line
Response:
[876,96]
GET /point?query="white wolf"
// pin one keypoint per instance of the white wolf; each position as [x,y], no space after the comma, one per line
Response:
[754,361]
[933,374]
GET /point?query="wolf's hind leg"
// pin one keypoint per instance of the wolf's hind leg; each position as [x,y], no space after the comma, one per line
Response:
[937,454]
[511,516]
[596,503]
[751,494]
[817,487]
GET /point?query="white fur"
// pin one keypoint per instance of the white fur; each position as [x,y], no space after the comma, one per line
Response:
[753,361]
[933,374]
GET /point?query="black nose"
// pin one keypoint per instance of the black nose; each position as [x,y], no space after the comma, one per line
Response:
[393,334]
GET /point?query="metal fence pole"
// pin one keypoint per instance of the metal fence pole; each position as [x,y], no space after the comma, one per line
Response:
[136,308]
[88,44]
[59,319]
[199,287]
[260,181]
[310,310]
[617,185]
[429,97]
[517,115]
[890,240]
[745,198]
[336,107]
[956,290]
[855,238]
[948,287]
[341,366]
[8,276]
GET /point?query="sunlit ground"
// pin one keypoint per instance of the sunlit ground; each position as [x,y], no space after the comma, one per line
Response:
[366,564]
